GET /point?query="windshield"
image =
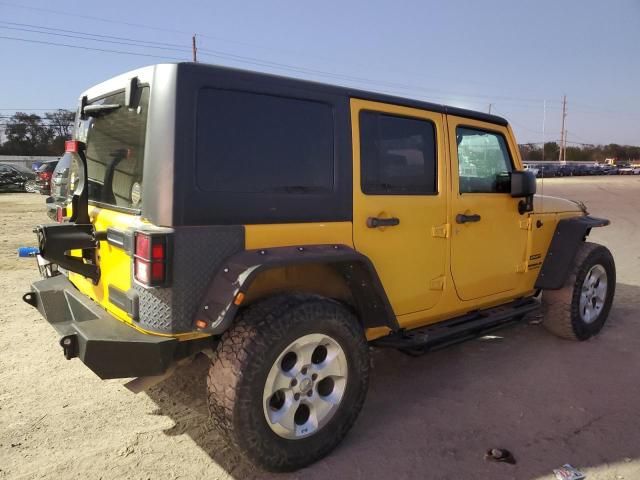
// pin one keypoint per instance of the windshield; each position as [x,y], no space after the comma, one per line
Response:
[115,151]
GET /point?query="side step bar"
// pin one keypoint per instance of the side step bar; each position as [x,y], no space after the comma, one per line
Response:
[449,332]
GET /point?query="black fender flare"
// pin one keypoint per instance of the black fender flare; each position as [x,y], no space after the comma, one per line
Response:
[219,306]
[569,234]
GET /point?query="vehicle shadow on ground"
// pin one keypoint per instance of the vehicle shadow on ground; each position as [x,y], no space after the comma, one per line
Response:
[549,401]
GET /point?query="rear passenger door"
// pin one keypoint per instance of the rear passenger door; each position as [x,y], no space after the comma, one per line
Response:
[399,200]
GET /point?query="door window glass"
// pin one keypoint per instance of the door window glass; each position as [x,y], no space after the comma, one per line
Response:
[397,155]
[484,163]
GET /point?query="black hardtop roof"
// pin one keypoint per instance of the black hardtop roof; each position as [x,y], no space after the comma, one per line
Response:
[250,75]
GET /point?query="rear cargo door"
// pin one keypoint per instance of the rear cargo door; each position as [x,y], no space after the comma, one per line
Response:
[115,140]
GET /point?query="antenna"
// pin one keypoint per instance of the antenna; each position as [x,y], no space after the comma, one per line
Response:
[194,49]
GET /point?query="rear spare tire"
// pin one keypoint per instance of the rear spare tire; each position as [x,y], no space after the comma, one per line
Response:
[288,380]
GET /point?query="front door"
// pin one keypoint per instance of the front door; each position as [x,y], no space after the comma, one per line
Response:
[488,241]
[399,200]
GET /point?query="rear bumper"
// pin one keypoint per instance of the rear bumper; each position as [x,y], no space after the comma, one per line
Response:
[107,346]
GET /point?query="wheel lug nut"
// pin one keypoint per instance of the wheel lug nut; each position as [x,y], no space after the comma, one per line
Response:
[296,396]
[294,382]
[309,393]
[314,376]
[304,370]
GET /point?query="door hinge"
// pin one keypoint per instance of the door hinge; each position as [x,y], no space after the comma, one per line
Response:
[525,223]
[441,231]
[437,284]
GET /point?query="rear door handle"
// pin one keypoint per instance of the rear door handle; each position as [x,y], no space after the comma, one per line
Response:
[462,218]
[375,222]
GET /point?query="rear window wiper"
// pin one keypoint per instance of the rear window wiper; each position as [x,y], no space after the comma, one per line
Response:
[98,110]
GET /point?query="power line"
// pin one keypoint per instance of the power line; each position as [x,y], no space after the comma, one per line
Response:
[90,17]
[86,37]
[225,55]
[245,60]
[114,37]
[88,48]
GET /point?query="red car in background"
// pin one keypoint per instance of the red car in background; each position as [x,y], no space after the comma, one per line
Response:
[44,175]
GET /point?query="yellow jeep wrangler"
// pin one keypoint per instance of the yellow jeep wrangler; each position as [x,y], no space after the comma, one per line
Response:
[282,227]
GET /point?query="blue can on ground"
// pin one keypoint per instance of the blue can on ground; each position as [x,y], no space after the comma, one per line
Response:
[27,252]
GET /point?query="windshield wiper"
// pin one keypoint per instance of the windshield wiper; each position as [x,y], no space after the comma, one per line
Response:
[98,110]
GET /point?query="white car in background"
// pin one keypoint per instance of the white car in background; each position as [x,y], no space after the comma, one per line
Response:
[630,170]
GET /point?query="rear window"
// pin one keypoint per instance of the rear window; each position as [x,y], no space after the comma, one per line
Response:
[115,151]
[256,143]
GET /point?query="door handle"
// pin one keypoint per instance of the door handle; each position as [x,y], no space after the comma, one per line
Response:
[375,222]
[462,218]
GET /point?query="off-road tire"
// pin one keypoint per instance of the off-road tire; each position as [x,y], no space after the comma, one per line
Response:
[561,307]
[243,358]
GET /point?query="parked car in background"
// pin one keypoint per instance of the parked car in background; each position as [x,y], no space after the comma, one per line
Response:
[15,179]
[44,175]
[609,170]
[531,168]
[547,171]
[60,187]
[566,170]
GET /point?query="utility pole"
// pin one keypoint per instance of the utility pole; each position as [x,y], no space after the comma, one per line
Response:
[562,156]
[194,49]
[544,118]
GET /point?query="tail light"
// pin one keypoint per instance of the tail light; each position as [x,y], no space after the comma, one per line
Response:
[61,213]
[151,254]
[45,175]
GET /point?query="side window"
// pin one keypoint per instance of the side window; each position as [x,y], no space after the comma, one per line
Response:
[484,162]
[397,155]
[263,144]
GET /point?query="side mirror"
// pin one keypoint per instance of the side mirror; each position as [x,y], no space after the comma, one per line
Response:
[523,185]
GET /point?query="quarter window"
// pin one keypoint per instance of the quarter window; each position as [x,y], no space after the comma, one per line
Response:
[263,144]
[484,163]
[397,155]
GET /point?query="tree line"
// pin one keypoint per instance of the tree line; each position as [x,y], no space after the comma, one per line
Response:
[31,134]
[583,153]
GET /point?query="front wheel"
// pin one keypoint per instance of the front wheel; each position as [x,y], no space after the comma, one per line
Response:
[580,309]
[288,380]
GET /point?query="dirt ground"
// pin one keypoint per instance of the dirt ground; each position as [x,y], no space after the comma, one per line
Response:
[547,400]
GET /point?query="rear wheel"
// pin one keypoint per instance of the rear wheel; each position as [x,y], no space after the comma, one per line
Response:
[287,382]
[580,309]
[30,186]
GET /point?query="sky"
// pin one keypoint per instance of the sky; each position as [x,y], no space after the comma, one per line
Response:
[518,56]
